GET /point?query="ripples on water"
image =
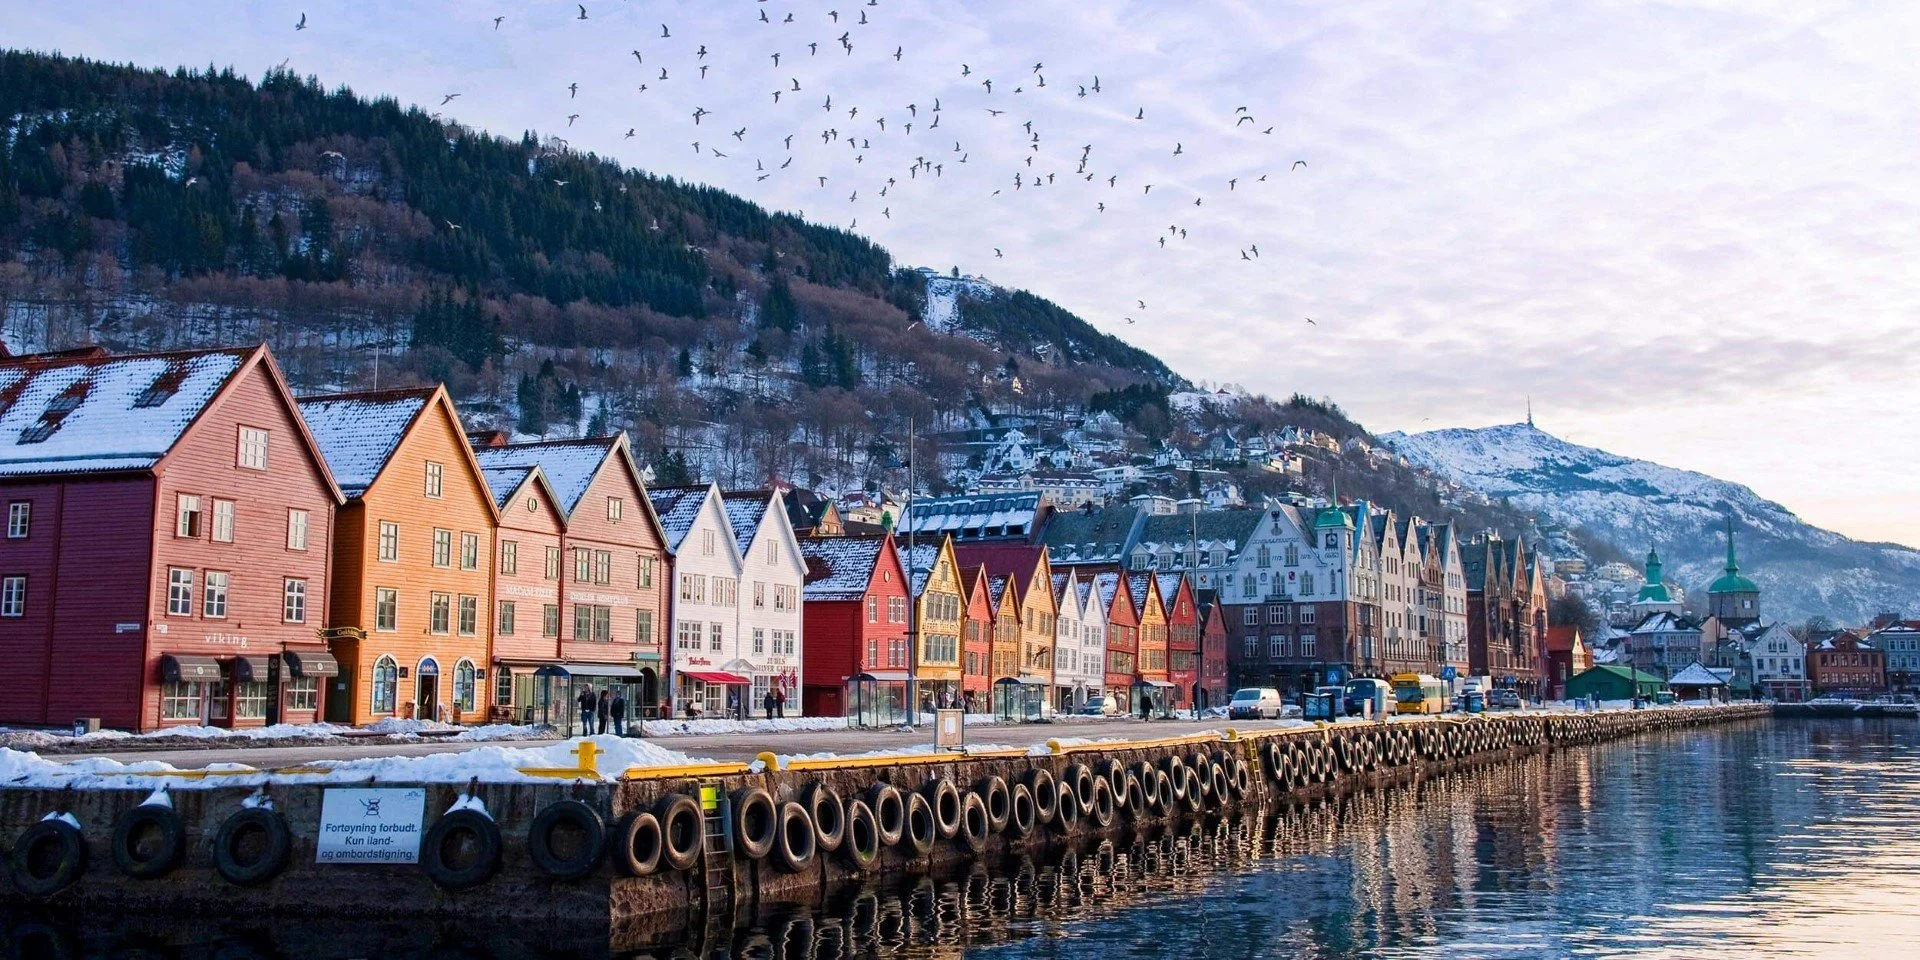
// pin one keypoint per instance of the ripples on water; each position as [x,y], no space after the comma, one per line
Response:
[1781,839]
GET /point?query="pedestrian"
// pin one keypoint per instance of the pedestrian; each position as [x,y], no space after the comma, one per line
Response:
[605,707]
[766,703]
[618,708]
[692,709]
[780,703]
[588,702]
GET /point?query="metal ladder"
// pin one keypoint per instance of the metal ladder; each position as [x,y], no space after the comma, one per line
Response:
[716,865]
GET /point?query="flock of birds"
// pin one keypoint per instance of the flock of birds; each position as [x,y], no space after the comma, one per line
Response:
[903,160]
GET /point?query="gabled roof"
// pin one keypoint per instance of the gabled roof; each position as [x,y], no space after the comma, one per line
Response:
[746,510]
[841,568]
[570,465]
[1090,537]
[678,509]
[919,561]
[973,579]
[1561,639]
[90,413]
[358,432]
[1170,584]
[997,591]
[1230,527]
[1016,560]
[1665,623]
[1138,586]
[1695,675]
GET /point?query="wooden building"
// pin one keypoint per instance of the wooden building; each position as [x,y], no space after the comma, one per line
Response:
[977,627]
[1213,684]
[1123,636]
[411,609]
[939,611]
[1151,690]
[1844,664]
[166,556]
[1183,640]
[857,608]
[609,590]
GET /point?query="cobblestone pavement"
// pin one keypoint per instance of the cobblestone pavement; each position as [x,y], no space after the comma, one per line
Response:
[727,746]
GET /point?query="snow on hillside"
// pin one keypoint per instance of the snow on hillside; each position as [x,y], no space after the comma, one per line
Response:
[942,310]
[1633,504]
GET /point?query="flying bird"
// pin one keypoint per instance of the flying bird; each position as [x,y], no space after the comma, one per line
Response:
[1142,115]
[629,135]
[1179,149]
[1130,319]
[452,226]
[663,32]
[496,22]
[583,11]
[302,25]
[449,98]
[561,183]
[636,57]
[997,253]
[1297,164]
[1310,320]
[701,53]
[663,73]
[740,134]
[965,70]
[896,50]
[573,90]
[571,117]
[1255,248]
[699,112]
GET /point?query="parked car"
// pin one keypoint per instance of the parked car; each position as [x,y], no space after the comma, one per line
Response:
[1256,703]
[1099,707]
[1505,699]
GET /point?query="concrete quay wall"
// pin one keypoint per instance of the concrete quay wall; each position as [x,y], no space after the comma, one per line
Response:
[586,852]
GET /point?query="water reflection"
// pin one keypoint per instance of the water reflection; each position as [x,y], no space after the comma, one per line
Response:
[1792,838]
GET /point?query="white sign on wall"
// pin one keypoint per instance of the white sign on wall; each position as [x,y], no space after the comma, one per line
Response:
[371,825]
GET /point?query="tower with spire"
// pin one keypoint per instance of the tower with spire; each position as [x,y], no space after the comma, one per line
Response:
[1734,599]
[1655,596]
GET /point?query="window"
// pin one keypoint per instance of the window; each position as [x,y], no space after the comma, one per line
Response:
[773,552]
[502,687]
[19,519]
[297,529]
[615,507]
[715,634]
[896,609]
[1266,556]
[180,701]
[469,615]
[1306,584]
[293,600]
[1250,647]
[1276,614]
[706,543]
[214,594]
[686,636]
[187,523]
[726,592]
[223,520]
[443,548]
[646,571]
[783,642]
[759,595]
[549,619]
[436,475]
[389,541]
[253,448]
[1247,588]
[593,621]
[441,616]
[1306,615]
[385,677]
[693,588]
[873,609]
[1308,645]
[1277,646]
[13,596]
[386,609]
[303,693]
[553,564]
[179,592]
[603,566]
[503,620]
[509,557]
[250,700]
[582,565]
[463,685]
[469,551]
[783,596]
[759,640]
[643,626]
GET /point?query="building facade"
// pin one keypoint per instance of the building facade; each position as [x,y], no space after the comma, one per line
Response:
[857,607]
[168,546]
[771,633]
[940,618]
[705,610]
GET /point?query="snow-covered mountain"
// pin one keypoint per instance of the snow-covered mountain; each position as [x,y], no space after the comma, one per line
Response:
[1633,504]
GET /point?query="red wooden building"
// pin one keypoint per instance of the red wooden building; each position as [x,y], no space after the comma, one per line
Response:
[976,686]
[1183,639]
[168,542]
[856,609]
[1123,635]
[1213,650]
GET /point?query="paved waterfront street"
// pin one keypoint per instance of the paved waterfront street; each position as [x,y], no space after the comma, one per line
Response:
[727,746]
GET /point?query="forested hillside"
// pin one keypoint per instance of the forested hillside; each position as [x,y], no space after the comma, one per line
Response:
[555,292]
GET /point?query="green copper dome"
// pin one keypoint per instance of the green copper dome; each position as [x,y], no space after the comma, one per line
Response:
[1731,581]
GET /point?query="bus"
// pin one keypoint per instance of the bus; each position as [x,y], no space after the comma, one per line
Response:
[1419,693]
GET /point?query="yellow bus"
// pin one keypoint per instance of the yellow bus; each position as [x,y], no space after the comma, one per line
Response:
[1419,693]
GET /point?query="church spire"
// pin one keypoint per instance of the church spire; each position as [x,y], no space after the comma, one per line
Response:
[1733,566]
[1529,409]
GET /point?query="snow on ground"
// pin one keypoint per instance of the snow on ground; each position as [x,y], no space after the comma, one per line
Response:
[703,725]
[34,739]
[492,764]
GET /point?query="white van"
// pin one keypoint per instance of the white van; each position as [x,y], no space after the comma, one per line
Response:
[1256,703]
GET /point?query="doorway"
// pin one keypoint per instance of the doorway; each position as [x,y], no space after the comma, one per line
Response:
[426,690]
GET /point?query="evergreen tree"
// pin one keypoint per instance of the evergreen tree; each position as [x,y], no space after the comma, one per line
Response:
[778,310]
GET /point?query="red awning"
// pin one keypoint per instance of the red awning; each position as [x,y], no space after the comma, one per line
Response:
[725,679]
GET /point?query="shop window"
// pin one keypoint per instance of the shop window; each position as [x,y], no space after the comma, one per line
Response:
[250,700]
[464,682]
[180,701]
[303,693]
[385,685]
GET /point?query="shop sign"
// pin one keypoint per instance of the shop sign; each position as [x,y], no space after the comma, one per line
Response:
[370,825]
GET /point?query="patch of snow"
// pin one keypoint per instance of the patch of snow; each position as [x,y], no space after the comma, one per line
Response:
[670,728]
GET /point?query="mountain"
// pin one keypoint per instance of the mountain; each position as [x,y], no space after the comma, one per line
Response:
[558,293]
[1615,502]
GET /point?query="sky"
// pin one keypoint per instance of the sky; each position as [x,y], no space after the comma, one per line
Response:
[1685,230]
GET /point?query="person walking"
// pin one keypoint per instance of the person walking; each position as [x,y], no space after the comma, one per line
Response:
[603,708]
[587,702]
[780,703]
[618,709]
[766,703]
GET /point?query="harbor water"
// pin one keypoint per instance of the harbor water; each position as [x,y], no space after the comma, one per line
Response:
[1781,838]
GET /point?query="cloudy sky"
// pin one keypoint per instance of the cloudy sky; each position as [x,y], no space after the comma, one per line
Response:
[1686,229]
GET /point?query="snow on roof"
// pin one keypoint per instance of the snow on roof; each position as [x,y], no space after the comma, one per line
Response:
[357,432]
[570,465]
[1695,675]
[839,568]
[1169,586]
[678,508]
[1108,584]
[503,481]
[979,515]
[745,511]
[88,413]
[919,561]
[1137,586]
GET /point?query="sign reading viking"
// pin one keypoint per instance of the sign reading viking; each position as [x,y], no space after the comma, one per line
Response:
[369,825]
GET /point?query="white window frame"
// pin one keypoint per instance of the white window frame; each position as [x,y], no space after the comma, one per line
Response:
[251,453]
[215,588]
[186,522]
[298,524]
[386,620]
[19,519]
[389,542]
[222,520]
[180,591]
[13,596]
[436,479]
[293,600]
